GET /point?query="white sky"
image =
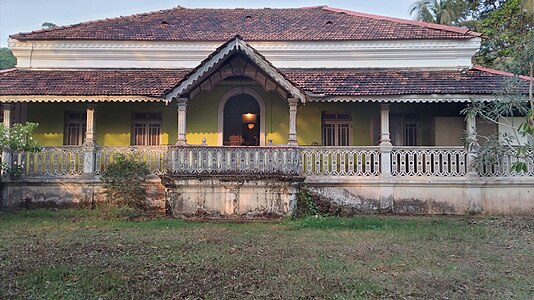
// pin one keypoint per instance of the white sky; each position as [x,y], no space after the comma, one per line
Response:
[27,15]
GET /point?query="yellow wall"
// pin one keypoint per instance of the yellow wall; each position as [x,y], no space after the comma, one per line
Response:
[309,121]
[113,121]
[202,115]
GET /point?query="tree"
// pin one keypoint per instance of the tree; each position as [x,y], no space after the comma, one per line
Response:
[445,12]
[49,25]
[7,59]
[508,34]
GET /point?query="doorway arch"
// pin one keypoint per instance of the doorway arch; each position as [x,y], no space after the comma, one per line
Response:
[232,93]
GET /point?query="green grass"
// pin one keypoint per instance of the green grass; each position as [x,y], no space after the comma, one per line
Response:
[122,254]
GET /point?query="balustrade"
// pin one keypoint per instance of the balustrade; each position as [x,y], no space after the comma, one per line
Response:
[340,161]
[305,161]
[234,160]
[428,161]
[51,161]
[154,157]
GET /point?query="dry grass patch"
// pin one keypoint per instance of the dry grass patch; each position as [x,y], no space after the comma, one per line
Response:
[84,254]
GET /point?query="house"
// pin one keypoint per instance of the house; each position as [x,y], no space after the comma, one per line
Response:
[236,107]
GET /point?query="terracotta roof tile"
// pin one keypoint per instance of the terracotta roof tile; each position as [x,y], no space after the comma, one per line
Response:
[295,24]
[128,82]
[368,82]
[334,82]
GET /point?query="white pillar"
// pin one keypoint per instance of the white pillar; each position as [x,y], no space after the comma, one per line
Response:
[385,141]
[384,125]
[90,141]
[182,113]
[90,131]
[7,158]
[386,184]
[293,105]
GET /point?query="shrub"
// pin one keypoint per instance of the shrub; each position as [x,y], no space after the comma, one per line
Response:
[124,182]
[306,205]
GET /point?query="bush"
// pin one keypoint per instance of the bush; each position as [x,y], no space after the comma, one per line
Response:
[124,182]
[306,205]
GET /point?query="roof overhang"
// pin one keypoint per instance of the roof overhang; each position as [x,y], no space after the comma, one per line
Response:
[431,98]
[53,98]
[219,56]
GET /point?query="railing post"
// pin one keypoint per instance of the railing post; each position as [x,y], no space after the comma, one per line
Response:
[386,184]
[89,160]
[7,156]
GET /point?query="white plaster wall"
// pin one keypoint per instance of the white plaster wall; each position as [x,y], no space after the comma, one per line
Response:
[448,131]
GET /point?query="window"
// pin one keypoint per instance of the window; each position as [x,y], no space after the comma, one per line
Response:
[146,129]
[337,128]
[75,124]
[404,130]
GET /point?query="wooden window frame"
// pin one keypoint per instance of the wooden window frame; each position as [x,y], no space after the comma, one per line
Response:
[337,123]
[82,127]
[146,121]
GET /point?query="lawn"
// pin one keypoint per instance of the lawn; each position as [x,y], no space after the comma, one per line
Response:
[85,254]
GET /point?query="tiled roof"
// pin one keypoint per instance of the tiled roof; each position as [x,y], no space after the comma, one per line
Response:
[126,82]
[333,82]
[296,24]
[368,82]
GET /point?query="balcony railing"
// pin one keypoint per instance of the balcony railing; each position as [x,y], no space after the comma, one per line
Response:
[428,161]
[309,161]
[234,160]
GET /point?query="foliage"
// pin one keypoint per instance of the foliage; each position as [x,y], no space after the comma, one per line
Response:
[124,182]
[509,102]
[19,137]
[49,25]
[306,205]
[445,12]
[7,59]
[509,38]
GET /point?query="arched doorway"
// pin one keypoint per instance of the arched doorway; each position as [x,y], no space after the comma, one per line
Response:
[241,118]
[241,121]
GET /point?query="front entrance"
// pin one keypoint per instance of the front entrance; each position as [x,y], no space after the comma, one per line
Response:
[241,121]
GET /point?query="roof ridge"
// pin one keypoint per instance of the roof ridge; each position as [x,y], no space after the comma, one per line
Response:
[8,70]
[499,72]
[464,31]
[95,21]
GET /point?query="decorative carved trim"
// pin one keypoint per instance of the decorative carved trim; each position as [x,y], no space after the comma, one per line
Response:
[210,46]
[434,98]
[214,61]
[45,98]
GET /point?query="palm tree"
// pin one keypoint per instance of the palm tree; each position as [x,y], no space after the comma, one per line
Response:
[445,12]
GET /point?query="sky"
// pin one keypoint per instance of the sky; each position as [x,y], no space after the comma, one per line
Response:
[27,15]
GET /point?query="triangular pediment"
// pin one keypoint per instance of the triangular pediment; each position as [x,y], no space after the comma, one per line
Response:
[235,58]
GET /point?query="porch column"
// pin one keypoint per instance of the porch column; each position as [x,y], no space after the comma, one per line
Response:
[90,130]
[293,105]
[7,158]
[385,141]
[386,184]
[182,112]
[90,140]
